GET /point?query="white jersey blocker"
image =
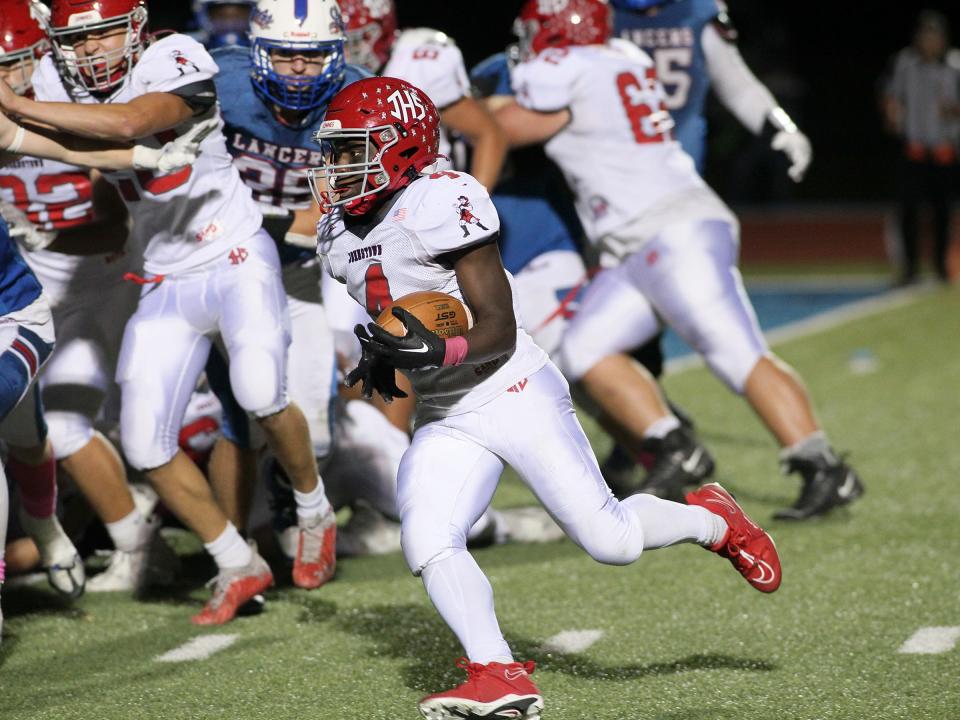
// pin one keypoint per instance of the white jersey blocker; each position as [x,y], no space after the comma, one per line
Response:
[88,297]
[471,423]
[672,241]
[431,61]
[199,229]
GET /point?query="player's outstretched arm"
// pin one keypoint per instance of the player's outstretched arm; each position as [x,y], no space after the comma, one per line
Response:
[523,126]
[144,115]
[472,120]
[750,101]
[40,142]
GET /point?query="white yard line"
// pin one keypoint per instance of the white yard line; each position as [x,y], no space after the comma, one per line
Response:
[571,641]
[931,641]
[200,648]
[820,322]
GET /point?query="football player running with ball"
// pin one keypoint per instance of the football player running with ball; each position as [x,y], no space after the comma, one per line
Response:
[598,107]
[485,399]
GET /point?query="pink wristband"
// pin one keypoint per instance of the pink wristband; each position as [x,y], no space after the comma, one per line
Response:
[455,350]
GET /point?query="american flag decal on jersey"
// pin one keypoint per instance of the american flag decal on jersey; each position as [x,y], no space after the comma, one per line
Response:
[400,214]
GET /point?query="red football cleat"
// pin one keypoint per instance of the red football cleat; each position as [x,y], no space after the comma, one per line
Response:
[747,546]
[316,557]
[233,588]
[495,690]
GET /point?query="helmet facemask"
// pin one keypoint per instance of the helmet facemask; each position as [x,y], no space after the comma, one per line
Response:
[349,154]
[21,62]
[104,72]
[300,93]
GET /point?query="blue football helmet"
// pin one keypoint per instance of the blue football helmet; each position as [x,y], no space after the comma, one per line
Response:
[220,27]
[313,28]
[639,5]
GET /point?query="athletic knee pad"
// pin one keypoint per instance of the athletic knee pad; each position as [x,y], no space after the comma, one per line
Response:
[423,543]
[146,443]
[68,431]
[257,379]
[576,355]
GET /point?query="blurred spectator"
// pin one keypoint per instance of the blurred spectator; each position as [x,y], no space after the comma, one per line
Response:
[921,106]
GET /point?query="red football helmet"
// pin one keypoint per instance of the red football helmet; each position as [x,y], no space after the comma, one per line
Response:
[377,136]
[371,28]
[71,21]
[545,24]
[22,41]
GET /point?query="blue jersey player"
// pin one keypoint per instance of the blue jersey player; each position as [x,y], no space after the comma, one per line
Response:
[693,45]
[273,96]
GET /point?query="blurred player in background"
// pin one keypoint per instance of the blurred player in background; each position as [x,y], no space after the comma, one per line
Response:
[209,271]
[921,105]
[275,93]
[693,45]
[222,23]
[486,398]
[90,303]
[26,323]
[599,108]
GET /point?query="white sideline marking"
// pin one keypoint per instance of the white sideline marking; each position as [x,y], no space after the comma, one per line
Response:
[572,641]
[820,322]
[931,641]
[200,648]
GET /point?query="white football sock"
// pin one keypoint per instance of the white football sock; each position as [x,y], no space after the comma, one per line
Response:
[313,503]
[667,523]
[661,427]
[130,532]
[230,550]
[4,514]
[813,447]
[462,595]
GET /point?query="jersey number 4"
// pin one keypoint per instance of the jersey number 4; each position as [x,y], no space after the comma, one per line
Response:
[378,289]
[643,102]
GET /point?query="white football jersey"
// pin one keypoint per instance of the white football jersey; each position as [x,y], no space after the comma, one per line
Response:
[431,61]
[617,153]
[400,251]
[185,218]
[55,196]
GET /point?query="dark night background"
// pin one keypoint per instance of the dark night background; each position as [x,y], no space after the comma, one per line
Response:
[821,60]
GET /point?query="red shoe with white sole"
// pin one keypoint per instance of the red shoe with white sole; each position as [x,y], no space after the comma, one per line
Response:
[233,588]
[746,545]
[497,691]
[316,558]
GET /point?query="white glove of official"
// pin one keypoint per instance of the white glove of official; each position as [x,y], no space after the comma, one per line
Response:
[25,232]
[797,148]
[176,154]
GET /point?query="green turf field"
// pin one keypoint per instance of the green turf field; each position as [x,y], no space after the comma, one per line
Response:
[683,637]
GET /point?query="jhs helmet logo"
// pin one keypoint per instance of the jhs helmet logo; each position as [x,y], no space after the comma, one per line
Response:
[406,105]
[549,7]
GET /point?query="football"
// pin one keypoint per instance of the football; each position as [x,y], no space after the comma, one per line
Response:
[439,312]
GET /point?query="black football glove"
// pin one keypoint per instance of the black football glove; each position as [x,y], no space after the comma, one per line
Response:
[419,348]
[375,372]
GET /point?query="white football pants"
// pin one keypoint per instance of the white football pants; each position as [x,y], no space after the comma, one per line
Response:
[548,290]
[685,277]
[239,296]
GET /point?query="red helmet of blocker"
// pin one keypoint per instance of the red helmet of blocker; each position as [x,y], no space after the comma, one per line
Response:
[22,41]
[371,28]
[545,24]
[71,21]
[390,130]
